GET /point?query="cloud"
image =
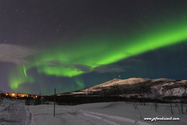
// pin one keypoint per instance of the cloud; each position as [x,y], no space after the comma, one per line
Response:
[109,69]
[82,67]
[63,64]
[15,54]
[121,66]
[53,63]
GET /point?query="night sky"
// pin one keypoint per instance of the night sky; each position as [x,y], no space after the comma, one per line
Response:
[73,44]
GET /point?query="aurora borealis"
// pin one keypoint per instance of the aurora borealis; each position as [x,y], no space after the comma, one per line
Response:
[70,45]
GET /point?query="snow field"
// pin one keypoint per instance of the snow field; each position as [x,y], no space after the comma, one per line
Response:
[109,113]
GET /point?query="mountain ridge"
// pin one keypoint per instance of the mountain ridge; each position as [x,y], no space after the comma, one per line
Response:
[149,88]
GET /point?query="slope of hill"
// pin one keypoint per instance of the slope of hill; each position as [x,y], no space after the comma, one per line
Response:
[150,88]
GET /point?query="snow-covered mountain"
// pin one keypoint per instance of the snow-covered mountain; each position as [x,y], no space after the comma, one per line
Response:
[141,87]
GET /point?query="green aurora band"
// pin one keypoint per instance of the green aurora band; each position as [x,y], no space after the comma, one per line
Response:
[96,51]
[18,77]
[79,81]
[102,51]
[24,70]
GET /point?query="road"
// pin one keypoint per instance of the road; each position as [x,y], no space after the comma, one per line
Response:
[16,113]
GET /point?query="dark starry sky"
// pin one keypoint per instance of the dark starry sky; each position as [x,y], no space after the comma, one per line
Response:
[73,44]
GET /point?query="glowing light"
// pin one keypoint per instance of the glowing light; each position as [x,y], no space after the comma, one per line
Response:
[80,81]
[103,50]
[98,50]
[24,70]
[18,77]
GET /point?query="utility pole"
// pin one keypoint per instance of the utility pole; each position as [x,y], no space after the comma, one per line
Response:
[54,100]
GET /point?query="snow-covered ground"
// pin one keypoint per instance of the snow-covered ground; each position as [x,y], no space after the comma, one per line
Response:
[110,113]
[15,113]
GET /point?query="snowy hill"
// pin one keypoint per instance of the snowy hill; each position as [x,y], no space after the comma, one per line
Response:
[149,88]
